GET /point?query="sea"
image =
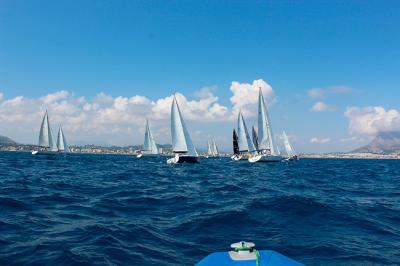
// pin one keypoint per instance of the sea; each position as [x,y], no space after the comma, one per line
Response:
[84,209]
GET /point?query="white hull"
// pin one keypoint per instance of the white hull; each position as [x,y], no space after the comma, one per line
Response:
[146,155]
[45,152]
[237,157]
[265,159]
[292,158]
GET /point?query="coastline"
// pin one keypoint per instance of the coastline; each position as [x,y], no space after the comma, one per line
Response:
[89,149]
[351,156]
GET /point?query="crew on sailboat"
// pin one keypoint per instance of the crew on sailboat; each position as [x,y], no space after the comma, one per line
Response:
[267,150]
[182,144]
[149,145]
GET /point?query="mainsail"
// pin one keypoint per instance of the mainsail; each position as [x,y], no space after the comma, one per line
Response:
[46,139]
[244,140]
[255,138]
[215,148]
[265,133]
[62,144]
[235,143]
[149,146]
[181,142]
[209,149]
[289,149]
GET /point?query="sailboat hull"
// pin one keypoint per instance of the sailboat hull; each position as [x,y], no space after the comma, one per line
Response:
[265,159]
[141,155]
[188,159]
[183,159]
[292,158]
[44,152]
[237,157]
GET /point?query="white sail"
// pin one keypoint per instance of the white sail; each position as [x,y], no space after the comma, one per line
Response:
[149,146]
[278,151]
[265,134]
[209,149]
[215,148]
[46,139]
[212,149]
[289,149]
[181,141]
[62,144]
[244,140]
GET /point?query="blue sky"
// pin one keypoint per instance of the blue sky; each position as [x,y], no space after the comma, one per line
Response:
[155,48]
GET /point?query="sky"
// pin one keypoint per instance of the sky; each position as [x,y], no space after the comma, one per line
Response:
[329,70]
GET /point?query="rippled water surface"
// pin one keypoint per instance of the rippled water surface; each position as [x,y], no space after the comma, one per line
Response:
[119,210]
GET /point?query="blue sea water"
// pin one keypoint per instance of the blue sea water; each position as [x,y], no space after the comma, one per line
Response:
[119,210]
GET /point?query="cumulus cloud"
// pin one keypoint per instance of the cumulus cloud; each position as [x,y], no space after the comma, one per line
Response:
[116,118]
[53,97]
[316,140]
[372,120]
[323,92]
[321,107]
[245,96]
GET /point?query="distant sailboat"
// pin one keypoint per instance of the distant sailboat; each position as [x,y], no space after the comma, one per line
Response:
[267,148]
[62,144]
[149,145]
[212,149]
[245,142]
[292,156]
[182,144]
[47,145]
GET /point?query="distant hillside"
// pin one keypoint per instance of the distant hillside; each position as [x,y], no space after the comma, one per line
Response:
[6,141]
[384,142]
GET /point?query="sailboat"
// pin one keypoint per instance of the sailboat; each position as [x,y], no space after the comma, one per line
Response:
[182,144]
[212,149]
[245,142]
[62,144]
[267,149]
[236,154]
[47,145]
[292,156]
[149,145]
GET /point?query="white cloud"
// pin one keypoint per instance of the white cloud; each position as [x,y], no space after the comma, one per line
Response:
[316,140]
[245,96]
[121,120]
[321,107]
[59,95]
[323,92]
[316,93]
[371,120]
[116,118]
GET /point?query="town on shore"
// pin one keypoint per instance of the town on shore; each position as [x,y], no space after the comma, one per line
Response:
[167,151]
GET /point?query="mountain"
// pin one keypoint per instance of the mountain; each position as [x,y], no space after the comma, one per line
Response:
[384,142]
[6,141]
